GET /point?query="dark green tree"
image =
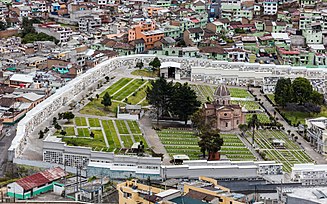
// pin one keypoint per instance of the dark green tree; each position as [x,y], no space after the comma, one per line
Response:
[243,128]
[253,124]
[155,63]
[57,126]
[63,132]
[184,101]
[302,90]
[210,141]
[159,96]
[283,91]
[41,134]
[92,134]
[317,98]
[198,120]
[54,121]
[106,100]
[68,116]
[139,65]
[107,78]
[140,148]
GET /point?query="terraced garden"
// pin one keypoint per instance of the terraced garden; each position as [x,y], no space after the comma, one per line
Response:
[125,90]
[109,135]
[263,118]
[288,156]
[186,142]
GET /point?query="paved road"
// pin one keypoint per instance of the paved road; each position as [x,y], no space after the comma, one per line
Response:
[320,159]
[9,133]
[152,138]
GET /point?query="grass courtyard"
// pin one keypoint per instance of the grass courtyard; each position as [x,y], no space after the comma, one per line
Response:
[109,135]
[186,142]
[289,155]
[125,90]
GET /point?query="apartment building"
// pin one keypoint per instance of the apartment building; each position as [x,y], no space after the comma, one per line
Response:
[59,32]
[270,7]
[317,133]
[89,24]
[310,174]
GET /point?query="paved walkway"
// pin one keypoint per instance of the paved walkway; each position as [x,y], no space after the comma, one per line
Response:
[320,159]
[152,138]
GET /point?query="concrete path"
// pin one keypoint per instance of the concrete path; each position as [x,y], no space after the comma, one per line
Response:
[118,134]
[320,159]
[130,132]
[249,146]
[153,139]
[104,134]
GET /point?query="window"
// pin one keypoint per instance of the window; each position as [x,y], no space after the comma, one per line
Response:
[226,124]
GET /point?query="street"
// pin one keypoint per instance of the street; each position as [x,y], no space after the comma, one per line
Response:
[9,133]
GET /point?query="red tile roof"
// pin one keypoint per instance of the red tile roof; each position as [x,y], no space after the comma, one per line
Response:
[41,178]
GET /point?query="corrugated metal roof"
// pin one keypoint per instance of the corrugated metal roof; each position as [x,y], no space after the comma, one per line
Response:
[41,178]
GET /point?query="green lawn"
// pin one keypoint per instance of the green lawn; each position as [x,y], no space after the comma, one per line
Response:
[239,93]
[121,125]
[85,142]
[290,155]
[83,132]
[116,86]
[129,89]
[69,131]
[96,108]
[145,73]
[296,116]
[139,138]
[80,121]
[272,98]
[186,142]
[138,95]
[133,126]
[127,139]
[111,134]
[249,105]
[263,118]
[94,122]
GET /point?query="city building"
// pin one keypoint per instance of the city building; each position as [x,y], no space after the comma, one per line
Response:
[36,184]
[309,174]
[308,195]
[317,134]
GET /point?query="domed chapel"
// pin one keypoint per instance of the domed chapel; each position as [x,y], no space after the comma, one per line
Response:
[221,114]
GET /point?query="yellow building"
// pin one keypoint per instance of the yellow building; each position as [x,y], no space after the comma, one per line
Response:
[204,190]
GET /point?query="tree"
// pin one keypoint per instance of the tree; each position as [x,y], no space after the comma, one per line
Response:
[198,120]
[317,98]
[46,130]
[92,134]
[210,141]
[97,95]
[63,132]
[253,124]
[107,78]
[41,134]
[57,126]
[243,128]
[155,63]
[184,101]
[140,148]
[289,132]
[159,96]
[283,91]
[139,65]
[54,121]
[106,100]
[296,138]
[302,90]
[68,115]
